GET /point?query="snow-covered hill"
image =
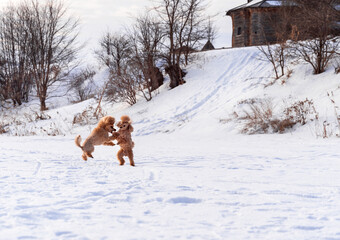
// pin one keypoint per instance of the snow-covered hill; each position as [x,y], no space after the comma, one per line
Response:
[196,176]
[217,86]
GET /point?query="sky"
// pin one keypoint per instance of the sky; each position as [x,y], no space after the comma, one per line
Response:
[99,16]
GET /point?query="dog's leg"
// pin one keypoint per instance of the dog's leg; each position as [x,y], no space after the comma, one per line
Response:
[84,156]
[108,143]
[130,155]
[120,155]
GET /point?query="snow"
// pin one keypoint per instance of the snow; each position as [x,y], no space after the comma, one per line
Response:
[238,187]
[274,3]
[196,176]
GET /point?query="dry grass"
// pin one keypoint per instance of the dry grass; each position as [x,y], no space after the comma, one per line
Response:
[301,112]
[89,116]
[259,116]
[16,123]
[260,119]
[337,66]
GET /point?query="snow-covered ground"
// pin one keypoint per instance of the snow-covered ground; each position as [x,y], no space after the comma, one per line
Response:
[196,176]
[239,187]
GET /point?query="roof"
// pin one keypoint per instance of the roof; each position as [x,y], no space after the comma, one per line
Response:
[259,3]
[271,3]
[208,46]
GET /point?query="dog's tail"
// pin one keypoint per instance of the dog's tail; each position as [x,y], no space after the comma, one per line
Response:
[77,141]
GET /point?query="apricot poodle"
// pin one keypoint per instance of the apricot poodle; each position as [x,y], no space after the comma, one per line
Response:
[99,136]
[124,140]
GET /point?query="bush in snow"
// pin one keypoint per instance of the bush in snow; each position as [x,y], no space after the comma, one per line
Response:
[2,129]
[301,112]
[89,116]
[258,116]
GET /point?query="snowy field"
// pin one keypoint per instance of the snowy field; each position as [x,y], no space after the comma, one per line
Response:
[241,187]
[196,176]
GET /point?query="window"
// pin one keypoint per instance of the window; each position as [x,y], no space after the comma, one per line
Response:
[239,31]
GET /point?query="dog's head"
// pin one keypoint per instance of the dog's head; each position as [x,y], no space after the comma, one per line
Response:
[125,124]
[107,123]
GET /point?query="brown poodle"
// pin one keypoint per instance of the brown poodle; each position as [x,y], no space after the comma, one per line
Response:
[99,136]
[124,140]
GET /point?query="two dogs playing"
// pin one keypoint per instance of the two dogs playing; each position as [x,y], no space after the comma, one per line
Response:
[100,136]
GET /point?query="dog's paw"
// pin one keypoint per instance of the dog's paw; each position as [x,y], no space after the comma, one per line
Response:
[108,144]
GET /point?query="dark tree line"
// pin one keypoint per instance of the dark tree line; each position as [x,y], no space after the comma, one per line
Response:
[37,49]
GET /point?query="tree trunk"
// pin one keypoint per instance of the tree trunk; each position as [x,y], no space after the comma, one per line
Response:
[176,75]
[43,104]
[157,78]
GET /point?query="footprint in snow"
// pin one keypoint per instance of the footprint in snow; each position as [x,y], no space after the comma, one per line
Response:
[185,200]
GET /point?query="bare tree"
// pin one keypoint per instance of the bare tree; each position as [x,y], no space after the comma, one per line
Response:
[182,21]
[15,71]
[281,23]
[114,51]
[82,82]
[123,88]
[145,39]
[53,46]
[275,55]
[316,32]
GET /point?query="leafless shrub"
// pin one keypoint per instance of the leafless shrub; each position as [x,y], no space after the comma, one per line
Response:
[259,117]
[326,130]
[88,116]
[16,123]
[301,112]
[337,66]
[250,101]
[2,128]
[276,55]
[41,116]
[52,130]
[289,73]
[123,88]
[315,32]
[336,110]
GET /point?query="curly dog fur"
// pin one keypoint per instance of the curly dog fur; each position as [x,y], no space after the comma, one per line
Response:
[124,140]
[99,136]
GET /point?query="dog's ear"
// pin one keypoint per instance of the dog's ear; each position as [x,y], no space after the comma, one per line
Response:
[130,128]
[102,122]
[111,120]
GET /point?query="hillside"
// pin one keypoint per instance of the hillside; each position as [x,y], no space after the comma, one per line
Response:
[218,85]
[196,175]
